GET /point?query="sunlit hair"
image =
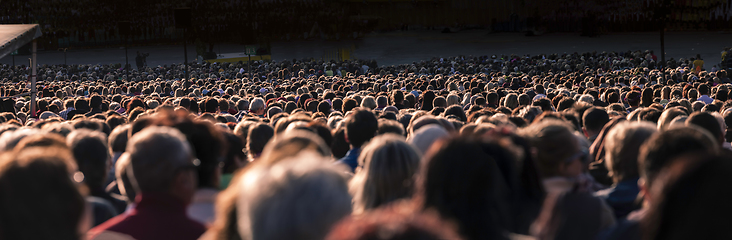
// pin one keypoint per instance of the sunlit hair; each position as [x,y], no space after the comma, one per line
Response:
[153,169]
[389,164]
[297,198]
[622,145]
[41,198]
[290,144]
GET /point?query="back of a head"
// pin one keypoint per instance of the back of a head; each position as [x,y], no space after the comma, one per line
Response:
[361,126]
[459,180]
[394,223]
[389,164]
[668,116]
[296,198]
[390,126]
[258,137]
[154,170]
[368,102]
[382,101]
[439,102]
[256,105]
[555,143]
[95,101]
[118,139]
[693,202]
[572,215]
[665,146]
[707,122]
[9,139]
[622,145]
[47,205]
[290,144]
[91,154]
[594,119]
[209,147]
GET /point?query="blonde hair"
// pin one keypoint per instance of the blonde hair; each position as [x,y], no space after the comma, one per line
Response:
[389,164]
[511,101]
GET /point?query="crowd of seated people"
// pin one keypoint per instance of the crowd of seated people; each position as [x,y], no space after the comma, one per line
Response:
[571,146]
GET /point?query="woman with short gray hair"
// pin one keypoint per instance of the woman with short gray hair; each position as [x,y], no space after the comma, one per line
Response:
[369,102]
[296,198]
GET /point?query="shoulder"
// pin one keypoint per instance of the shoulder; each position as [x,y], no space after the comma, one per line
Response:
[110,225]
[109,235]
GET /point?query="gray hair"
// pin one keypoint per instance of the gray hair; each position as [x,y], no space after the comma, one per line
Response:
[256,105]
[530,113]
[511,101]
[152,104]
[153,169]
[453,99]
[297,198]
[333,122]
[389,164]
[697,106]
[242,104]
[114,106]
[622,146]
[368,102]
[587,98]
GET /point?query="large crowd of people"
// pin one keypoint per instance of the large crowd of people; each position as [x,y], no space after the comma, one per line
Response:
[600,145]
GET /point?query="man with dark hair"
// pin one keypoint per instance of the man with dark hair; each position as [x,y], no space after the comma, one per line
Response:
[258,137]
[704,92]
[361,126]
[223,106]
[211,105]
[185,103]
[594,119]
[92,156]
[659,152]
[349,104]
[706,121]
[96,105]
[397,98]
[209,147]
[324,107]
[69,104]
[81,106]
[165,183]
[492,99]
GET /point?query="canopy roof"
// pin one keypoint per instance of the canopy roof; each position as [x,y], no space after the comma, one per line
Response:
[14,36]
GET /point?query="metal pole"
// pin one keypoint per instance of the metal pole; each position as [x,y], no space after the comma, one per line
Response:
[185,53]
[663,46]
[249,67]
[127,62]
[665,8]
[33,89]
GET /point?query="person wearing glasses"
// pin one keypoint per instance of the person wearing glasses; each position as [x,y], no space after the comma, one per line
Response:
[165,182]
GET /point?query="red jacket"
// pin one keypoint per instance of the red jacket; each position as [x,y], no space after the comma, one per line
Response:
[156,216]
